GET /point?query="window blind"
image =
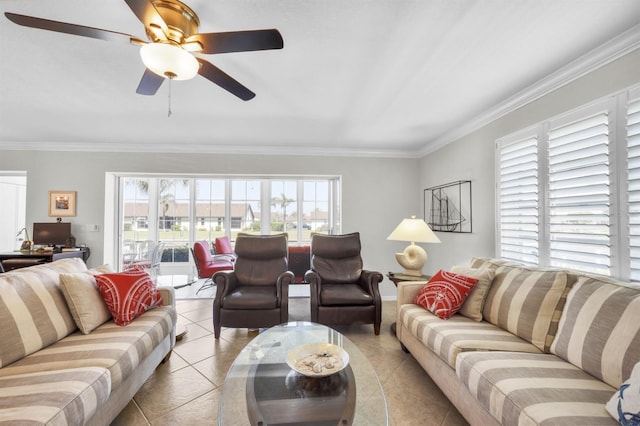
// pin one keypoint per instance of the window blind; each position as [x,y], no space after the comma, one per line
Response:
[518,200]
[633,171]
[578,199]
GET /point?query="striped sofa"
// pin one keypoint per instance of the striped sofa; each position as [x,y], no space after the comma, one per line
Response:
[53,374]
[551,347]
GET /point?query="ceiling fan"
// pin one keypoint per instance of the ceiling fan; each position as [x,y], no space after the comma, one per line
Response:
[172,30]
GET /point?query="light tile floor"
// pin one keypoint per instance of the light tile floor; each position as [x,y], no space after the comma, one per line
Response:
[186,389]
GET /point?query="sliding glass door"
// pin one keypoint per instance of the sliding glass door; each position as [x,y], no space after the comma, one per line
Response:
[179,210]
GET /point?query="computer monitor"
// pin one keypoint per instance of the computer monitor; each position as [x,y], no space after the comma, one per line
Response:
[51,233]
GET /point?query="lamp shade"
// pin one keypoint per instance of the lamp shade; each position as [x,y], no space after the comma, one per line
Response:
[413,257]
[169,61]
[413,230]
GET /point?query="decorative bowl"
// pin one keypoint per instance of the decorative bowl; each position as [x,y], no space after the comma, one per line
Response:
[317,359]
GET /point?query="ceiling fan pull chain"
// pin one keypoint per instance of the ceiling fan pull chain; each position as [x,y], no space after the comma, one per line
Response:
[169,107]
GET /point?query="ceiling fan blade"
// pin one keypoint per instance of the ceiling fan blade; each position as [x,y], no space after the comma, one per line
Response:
[63,27]
[150,83]
[147,14]
[222,79]
[238,41]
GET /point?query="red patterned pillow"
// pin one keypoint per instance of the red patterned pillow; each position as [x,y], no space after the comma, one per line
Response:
[128,294]
[445,293]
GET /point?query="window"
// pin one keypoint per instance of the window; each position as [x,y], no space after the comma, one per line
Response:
[245,206]
[303,207]
[519,199]
[579,201]
[563,186]
[633,159]
[210,197]
[174,217]
[284,207]
[135,195]
[181,210]
[316,206]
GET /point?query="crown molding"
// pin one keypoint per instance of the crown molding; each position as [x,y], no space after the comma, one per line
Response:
[613,49]
[292,151]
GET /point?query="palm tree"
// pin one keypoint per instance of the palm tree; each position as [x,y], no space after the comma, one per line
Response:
[166,197]
[283,202]
[165,201]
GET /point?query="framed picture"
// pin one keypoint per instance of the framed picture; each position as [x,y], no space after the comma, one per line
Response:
[62,203]
[447,208]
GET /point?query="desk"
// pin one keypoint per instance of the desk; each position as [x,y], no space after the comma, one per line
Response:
[21,259]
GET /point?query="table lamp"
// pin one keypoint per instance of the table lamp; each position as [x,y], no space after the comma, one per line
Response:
[413,257]
[26,243]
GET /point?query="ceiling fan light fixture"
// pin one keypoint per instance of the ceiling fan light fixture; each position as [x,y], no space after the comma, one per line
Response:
[169,61]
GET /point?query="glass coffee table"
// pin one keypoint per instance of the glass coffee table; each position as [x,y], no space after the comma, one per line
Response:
[261,389]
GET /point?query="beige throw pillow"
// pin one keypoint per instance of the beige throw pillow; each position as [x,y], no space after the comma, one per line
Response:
[86,304]
[472,307]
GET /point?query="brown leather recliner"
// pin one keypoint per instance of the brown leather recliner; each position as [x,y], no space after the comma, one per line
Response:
[341,291]
[256,293]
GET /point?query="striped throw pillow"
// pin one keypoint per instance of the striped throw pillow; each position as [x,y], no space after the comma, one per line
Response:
[599,329]
[524,302]
[33,312]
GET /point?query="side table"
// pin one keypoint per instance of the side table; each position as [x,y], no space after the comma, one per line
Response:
[396,277]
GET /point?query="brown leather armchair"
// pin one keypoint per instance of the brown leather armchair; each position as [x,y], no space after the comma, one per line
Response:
[341,291]
[256,293]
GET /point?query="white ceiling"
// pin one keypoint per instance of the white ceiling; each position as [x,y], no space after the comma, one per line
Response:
[356,77]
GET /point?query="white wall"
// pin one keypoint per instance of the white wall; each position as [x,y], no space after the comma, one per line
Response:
[376,192]
[472,157]
[12,192]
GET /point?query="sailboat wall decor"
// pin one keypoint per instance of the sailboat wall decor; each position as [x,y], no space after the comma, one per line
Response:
[448,207]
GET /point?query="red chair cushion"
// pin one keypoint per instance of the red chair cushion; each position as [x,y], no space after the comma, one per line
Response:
[207,266]
[202,252]
[217,265]
[223,245]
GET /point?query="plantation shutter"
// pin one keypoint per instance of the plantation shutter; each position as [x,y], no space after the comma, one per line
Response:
[633,160]
[579,204]
[518,200]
